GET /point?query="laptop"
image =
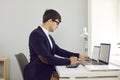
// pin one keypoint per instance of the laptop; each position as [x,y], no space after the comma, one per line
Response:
[100,55]
[104,59]
[94,59]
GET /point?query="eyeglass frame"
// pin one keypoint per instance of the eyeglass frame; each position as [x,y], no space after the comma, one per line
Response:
[57,22]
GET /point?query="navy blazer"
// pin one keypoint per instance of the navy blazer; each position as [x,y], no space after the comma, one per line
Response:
[39,46]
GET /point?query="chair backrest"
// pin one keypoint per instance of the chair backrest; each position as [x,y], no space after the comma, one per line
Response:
[22,61]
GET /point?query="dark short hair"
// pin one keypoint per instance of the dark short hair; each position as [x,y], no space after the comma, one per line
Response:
[51,14]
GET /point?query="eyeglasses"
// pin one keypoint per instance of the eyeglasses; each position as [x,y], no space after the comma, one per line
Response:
[56,22]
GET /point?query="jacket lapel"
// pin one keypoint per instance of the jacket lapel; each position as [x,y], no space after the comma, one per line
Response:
[47,41]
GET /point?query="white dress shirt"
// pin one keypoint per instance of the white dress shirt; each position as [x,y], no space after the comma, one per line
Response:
[47,34]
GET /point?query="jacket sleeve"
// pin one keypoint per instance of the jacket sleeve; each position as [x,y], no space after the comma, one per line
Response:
[64,53]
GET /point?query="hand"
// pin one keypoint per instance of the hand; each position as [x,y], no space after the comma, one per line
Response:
[73,60]
[84,57]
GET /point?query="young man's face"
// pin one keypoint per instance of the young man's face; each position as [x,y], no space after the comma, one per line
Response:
[54,25]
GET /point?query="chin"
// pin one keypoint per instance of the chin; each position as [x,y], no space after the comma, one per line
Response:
[52,31]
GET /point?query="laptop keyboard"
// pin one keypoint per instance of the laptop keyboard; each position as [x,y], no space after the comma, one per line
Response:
[90,62]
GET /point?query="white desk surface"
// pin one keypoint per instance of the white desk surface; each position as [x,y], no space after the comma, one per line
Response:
[81,71]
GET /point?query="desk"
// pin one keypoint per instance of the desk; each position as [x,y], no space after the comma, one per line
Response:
[81,73]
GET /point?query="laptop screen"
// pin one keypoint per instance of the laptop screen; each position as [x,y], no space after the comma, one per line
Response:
[104,52]
[95,54]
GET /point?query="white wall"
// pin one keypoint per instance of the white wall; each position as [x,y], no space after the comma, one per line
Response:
[118,28]
[19,17]
[103,23]
[118,20]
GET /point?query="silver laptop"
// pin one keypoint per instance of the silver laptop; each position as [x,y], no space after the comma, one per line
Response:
[100,55]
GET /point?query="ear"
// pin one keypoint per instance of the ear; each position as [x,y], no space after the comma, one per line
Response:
[50,20]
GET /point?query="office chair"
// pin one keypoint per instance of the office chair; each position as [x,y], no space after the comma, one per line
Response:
[22,61]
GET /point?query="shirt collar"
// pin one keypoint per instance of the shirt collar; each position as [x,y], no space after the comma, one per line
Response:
[45,31]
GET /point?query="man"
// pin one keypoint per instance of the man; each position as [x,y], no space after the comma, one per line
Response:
[43,48]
